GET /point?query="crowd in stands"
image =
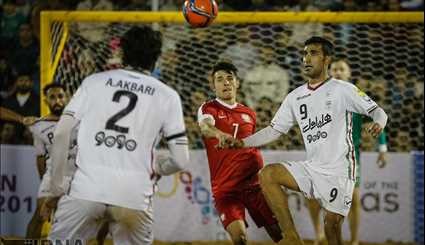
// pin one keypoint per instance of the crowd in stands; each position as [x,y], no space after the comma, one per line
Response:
[20,69]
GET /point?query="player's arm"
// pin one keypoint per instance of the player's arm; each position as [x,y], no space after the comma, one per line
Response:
[382,156]
[175,134]
[40,151]
[207,127]
[283,120]
[60,153]
[72,114]
[358,101]
[41,165]
[9,115]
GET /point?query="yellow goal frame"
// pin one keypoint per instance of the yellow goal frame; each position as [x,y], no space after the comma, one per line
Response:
[49,64]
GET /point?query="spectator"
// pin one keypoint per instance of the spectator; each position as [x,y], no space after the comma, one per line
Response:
[7,79]
[137,5]
[242,52]
[10,21]
[47,5]
[267,79]
[24,57]
[172,5]
[25,100]
[94,32]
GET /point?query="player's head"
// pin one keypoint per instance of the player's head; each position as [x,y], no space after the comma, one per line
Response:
[141,46]
[317,56]
[340,69]
[225,80]
[24,83]
[55,97]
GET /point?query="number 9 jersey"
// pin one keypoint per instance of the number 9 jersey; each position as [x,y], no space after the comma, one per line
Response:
[231,169]
[122,116]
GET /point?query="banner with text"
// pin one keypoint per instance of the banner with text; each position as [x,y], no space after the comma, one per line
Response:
[184,208]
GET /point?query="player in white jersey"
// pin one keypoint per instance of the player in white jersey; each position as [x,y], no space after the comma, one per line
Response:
[42,132]
[322,108]
[122,114]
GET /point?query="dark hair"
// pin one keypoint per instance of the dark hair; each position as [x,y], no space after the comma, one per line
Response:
[52,85]
[327,46]
[224,65]
[141,46]
[340,59]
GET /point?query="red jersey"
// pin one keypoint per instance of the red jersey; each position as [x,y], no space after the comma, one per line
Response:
[231,169]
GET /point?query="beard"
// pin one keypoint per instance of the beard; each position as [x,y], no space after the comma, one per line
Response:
[23,89]
[57,111]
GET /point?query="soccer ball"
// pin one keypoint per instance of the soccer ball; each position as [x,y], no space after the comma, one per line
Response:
[200,13]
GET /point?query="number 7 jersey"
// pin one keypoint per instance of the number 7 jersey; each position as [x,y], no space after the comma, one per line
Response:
[231,169]
[122,116]
[324,116]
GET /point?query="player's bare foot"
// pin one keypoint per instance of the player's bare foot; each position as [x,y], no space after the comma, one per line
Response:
[321,240]
[291,238]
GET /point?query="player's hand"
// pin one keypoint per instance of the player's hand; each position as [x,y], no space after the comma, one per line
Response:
[382,160]
[28,121]
[48,207]
[224,141]
[374,129]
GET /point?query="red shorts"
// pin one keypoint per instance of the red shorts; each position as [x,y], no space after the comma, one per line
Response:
[231,207]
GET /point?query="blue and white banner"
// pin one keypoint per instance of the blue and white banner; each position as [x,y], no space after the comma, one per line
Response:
[184,209]
[418,158]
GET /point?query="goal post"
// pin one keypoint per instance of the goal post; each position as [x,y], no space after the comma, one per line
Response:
[49,61]
[380,47]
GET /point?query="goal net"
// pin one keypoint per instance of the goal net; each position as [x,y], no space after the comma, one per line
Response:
[385,52]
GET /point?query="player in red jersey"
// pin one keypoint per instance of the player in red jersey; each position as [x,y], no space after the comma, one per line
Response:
[234,172]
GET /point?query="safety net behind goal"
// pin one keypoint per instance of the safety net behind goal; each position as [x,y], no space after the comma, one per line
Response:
[386,60]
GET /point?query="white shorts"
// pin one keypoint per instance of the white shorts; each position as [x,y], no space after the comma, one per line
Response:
[77,219]
[43,189]
[332,192]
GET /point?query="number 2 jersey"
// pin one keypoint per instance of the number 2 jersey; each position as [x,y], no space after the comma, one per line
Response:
[231,169]
[122,116]
[43,133]
[325,117]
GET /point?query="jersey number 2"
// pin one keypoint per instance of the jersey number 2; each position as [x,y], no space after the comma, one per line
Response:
[111,123]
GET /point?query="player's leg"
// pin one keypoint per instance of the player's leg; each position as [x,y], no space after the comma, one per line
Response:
[272,178]
[333,228]
[102,233]
[335,197]
[76,219]
[237,232]
[231,211]
[130,226]
[354,217]
[261,213]
[36,223]
[314,209]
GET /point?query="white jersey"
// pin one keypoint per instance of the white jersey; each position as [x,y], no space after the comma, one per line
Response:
[43,133]
[324,116]
[122,116]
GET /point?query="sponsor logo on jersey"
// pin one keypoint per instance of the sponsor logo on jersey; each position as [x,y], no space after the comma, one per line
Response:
[315,137]
[317,122]
[246,118]
[303,97]
[120,141]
